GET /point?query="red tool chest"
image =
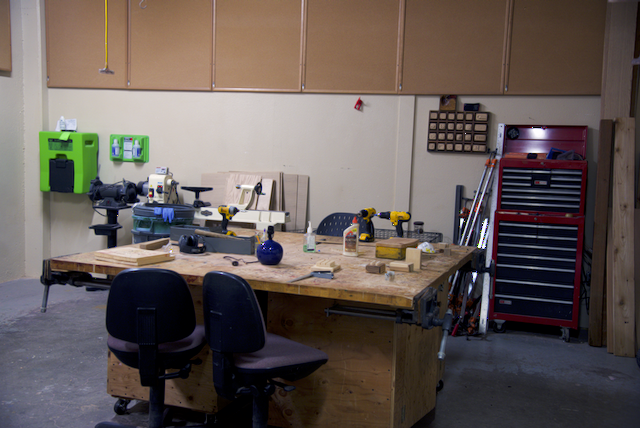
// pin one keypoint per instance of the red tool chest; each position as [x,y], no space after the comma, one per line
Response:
[539,226]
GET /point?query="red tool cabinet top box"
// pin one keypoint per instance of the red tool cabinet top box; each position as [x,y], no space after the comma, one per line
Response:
[543,186]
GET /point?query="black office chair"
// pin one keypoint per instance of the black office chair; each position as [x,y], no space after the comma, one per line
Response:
[151,323]
[245,357]
[334,224]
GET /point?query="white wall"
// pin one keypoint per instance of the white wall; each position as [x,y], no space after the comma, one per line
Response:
[376,157]
[12,208]
[354,159]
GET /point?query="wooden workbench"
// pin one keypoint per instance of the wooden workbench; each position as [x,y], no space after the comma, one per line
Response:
[379,374]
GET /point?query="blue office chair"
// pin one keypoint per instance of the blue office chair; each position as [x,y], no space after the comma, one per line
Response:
[334,224]
[245,357]
[151,323]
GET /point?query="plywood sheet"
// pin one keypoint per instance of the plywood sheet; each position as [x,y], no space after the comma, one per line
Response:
[264,200]
[232,194]
[134,256]
[258,45]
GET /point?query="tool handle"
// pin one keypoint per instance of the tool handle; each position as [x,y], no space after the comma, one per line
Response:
[214,235]
[446,328]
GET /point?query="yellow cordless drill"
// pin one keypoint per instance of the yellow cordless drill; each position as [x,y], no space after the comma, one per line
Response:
[397,218]
[227,213]
[369,233]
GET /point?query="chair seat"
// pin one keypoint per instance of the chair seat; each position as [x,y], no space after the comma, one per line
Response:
[280,357]
[173,353]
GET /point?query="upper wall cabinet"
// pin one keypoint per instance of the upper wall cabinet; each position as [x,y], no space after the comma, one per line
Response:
[454,46]
[258,45]
[80,45]
[5,36]
[423,47]
[352,46]
[171,44]
[556,47]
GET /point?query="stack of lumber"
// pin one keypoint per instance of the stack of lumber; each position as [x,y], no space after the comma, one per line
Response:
[282,192]
[615,286]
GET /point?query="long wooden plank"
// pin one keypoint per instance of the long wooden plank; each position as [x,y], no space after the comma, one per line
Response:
[617,70]
[622,239]
[637,275]
[601,214]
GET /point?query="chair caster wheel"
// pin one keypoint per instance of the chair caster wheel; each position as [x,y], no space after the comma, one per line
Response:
[121,406]
[440,385]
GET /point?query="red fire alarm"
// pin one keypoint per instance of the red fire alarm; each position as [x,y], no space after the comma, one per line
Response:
[358,105]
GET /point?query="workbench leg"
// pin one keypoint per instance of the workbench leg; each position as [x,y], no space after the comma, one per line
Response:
[45,298]
[45,279]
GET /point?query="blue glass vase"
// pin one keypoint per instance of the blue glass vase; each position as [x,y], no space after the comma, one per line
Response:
[269,252]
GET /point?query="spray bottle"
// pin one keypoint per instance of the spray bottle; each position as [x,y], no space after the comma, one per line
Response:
[309,245]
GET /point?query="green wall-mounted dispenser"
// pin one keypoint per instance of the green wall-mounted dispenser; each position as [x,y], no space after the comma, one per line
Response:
[68,161]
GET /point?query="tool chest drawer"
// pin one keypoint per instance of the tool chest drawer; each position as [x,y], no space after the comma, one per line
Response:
[542,186]
[538,261]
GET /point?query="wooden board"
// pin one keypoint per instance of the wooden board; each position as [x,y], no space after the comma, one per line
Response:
[196,392]
[171,44]
[258,45]
[435,61]
[353,389]
[352,46]
[264,200]
[601,214]
[622,235]
[617,70]
[76,44]
[5,36]
[232,195]
[133,256]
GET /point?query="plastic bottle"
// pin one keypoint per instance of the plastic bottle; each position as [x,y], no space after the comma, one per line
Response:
[309,245]
[137,149]
[115,149]
[350,239]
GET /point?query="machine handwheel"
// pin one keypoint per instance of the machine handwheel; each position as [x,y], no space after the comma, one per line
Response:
[499,327]
[440,385]
[121,406]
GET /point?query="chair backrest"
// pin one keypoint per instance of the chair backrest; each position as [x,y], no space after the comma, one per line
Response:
[334,224]
[144,296]
[233,319]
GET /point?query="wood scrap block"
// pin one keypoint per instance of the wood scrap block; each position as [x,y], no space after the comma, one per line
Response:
[155,244]
[443,248]
[326,265]
[376,267]
[401,266]
[395,248]
[414,255]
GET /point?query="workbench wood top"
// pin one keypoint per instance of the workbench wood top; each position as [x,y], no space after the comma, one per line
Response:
[352,282]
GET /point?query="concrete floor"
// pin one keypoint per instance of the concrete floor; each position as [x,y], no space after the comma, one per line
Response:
[53,372]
